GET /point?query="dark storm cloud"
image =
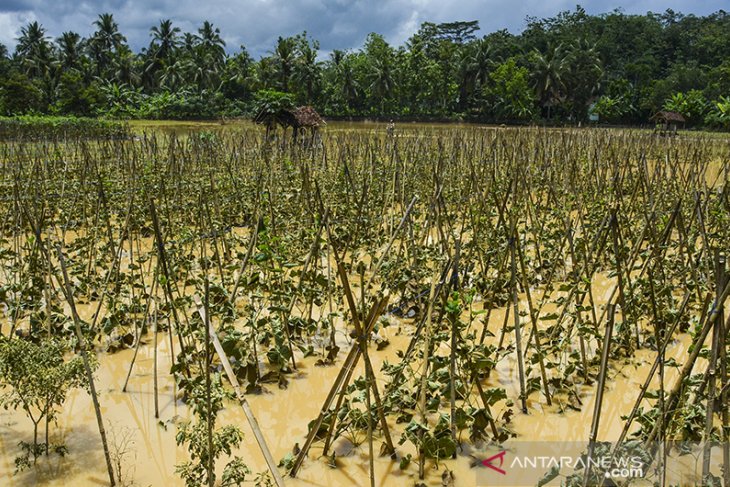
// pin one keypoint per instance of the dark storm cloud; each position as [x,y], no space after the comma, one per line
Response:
[15,6]
[335,23]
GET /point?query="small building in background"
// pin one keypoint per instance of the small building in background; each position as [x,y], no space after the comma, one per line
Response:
[667,123]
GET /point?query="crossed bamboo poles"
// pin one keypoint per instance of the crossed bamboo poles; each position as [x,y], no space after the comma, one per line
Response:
[358,349]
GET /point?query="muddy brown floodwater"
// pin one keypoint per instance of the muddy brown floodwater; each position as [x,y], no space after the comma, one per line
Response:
[147,449]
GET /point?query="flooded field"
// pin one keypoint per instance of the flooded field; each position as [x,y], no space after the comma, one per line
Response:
[460,228]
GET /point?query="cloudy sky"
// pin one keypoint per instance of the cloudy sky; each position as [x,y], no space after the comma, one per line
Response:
[335,23]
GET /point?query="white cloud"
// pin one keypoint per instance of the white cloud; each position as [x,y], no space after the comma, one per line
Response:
[10,24]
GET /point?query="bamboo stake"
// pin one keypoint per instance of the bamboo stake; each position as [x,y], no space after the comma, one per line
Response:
[717,342]
[244,262]
[599,392]
[659,326]
[689,364]
[206,368]
[241,397]
[452,359]
[364,332]
[390,242]
[336,386]
[162,258]
[535,332]
[395,382]
[153,289]
[89,375]
[340,398]
[576,280]
[154,365]
[424,377]
[363,351]
[518,335]
[724,400]
[642,391]
[620,279]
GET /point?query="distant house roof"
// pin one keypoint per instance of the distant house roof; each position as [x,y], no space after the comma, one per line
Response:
[665,116]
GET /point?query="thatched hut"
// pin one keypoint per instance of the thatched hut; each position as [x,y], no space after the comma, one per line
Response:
[307,118]
[300,118]
[666,122]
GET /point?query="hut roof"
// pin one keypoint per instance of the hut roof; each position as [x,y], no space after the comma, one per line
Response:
[308,117]
[668,117]
[266,115]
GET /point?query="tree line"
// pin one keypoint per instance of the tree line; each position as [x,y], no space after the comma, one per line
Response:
[564,69]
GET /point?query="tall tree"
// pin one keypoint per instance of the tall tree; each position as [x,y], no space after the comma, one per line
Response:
[125,67]
[548,69]
[34,50]
[69,50]
[165,41]
[342,85]
[284,57]
[307,70]
[162,52]
[210,56]
[581,78]
[380,59]
[106,42]
[238,76]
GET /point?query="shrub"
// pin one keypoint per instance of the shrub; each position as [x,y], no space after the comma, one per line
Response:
[691,104]
[45,127]
[719,117]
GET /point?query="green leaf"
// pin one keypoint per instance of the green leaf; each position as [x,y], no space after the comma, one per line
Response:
[552,473]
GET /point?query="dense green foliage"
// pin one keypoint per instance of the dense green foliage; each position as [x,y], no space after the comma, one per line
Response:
[30,127]
[626,67]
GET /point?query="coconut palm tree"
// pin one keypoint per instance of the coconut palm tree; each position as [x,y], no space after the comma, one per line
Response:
[307,71]
[347,81]
[381,80]
[336,57]
[162,52]
[107,32]
[481,63]
[582,77]
[173,76]
[212,44]
[238,75]
[69,50]
[34,50]
[125,67]
[284,56]
[165,40]
[106,42]
[31,37]
[208,57]
[547,74]
[473,65]
[204,74]
[189,41]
